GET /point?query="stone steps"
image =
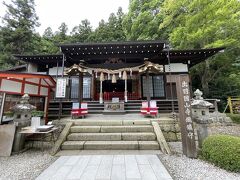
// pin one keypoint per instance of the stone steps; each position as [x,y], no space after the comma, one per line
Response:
[111,135]
[111,129]
[110,145]
[139,136]
[111,122]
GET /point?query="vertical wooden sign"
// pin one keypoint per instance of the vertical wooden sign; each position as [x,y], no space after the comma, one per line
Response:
[185,116]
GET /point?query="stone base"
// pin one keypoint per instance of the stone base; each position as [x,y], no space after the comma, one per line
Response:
[107,112]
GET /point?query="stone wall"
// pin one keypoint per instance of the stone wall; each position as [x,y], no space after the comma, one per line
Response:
[170,129]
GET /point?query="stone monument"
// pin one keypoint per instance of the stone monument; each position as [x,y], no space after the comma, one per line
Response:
[21,118]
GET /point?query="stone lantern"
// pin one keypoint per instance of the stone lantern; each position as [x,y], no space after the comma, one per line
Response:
[22,111]
[201,116]
[200,107]
[21,118]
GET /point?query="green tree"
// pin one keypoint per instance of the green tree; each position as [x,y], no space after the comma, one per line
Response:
[112,30]
[206,24]
[17,31]
[81,32]
[143,19]
[61,35]
[48,33]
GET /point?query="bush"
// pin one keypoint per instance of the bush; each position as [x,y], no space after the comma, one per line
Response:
[235,117]
[223,151]
[37,113]
[8,113]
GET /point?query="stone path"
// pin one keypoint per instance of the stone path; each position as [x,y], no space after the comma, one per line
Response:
[107,167]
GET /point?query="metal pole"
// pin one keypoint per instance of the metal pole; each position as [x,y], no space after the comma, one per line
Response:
[57,71]
[171,87]
[2,106]
[56,78]
[60,102]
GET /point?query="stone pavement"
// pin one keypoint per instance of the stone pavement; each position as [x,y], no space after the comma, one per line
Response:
[107,167]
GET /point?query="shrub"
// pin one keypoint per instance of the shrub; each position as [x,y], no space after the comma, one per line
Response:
[8,113]
[235,117]
[37,113]
[223,151]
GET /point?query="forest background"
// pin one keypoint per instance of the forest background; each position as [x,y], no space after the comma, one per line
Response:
[184,24]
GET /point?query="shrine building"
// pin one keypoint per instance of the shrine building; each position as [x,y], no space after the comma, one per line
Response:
[100,72]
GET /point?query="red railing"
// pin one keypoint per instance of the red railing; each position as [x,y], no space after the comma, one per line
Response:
[107,96]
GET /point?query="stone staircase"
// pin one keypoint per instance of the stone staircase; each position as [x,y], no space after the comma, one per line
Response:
[111,135]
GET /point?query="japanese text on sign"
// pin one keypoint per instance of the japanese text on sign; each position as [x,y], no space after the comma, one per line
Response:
[61,88]
[187,110]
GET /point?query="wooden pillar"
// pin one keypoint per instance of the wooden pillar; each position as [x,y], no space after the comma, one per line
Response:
[101,93]
[139,86]
[185,115]
[148,88]
[125,92]
[80,93]
[93,87]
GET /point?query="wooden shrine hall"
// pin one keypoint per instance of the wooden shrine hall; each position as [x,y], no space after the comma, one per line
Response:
[129,71]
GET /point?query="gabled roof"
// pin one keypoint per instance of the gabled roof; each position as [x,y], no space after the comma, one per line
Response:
[127,52]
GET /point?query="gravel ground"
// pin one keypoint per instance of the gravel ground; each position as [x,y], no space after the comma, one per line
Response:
[27,165]
[230,130]
[30,164]
[183,168]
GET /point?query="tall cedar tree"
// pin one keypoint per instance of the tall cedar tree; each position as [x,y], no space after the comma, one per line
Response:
[17,31]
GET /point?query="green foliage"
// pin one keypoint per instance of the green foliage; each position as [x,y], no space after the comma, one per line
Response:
[235,117]
[82,32]
[17,30]
[142,20]
[223,151]
[37,113]
[111,30]
[206,24]
[8,113]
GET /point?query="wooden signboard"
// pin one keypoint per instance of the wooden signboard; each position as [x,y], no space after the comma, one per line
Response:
[185,115]
[61,87]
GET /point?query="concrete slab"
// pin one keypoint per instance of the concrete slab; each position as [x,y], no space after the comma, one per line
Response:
[106,152]
[7,133]
[112,167]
